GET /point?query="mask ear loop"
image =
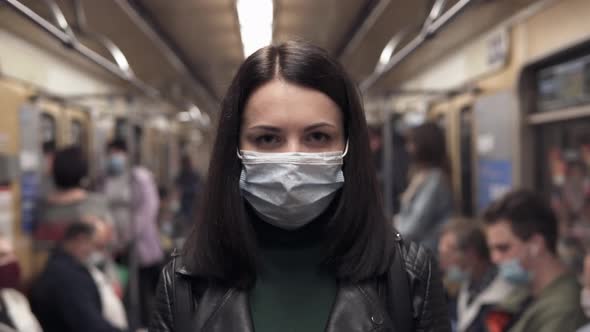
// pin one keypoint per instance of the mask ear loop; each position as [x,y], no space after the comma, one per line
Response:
[345,150]
[239,154]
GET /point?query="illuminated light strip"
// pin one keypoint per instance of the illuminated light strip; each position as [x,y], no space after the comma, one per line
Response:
[256,20]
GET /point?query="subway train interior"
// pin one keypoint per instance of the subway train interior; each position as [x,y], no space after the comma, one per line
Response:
[507,83]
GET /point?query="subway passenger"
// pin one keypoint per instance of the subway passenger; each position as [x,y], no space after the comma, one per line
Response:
[133,196]
[69,202]
[427,202]
[293,237]
[65,297]
[106,276]
[521,231]
[481,287]
[448,257]
[15,311]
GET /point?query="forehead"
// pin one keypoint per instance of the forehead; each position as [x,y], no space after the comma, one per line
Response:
[281,102]
[500,231]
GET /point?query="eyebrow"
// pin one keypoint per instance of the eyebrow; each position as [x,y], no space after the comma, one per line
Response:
[266,128]
[276,129]
[319,125]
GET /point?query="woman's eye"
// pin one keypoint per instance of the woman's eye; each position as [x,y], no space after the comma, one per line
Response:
[267,140]
[319,137]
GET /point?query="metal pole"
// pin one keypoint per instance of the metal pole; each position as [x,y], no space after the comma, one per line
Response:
[134,300]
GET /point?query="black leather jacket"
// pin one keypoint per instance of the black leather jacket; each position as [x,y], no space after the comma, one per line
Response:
[357,307]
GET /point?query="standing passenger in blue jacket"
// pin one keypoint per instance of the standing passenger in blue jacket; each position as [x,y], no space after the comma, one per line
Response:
[427,203]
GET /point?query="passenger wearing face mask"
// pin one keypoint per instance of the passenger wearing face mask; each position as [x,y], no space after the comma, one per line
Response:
[133,197]
[522,233]
[481,286]
[118,192]
[291,235]
[65,297]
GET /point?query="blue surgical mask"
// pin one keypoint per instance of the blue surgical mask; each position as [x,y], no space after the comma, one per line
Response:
[289,190]
[514,272]
[457,275]
[117,164]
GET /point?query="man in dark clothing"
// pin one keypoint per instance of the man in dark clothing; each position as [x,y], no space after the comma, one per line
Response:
[65,297]
[188,183]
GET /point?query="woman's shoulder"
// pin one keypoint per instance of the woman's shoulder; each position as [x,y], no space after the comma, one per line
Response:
[418,260]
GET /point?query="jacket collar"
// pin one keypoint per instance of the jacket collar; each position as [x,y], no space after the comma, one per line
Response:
[357,308]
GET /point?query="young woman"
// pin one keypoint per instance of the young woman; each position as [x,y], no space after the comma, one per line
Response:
[292,236]
[427,203]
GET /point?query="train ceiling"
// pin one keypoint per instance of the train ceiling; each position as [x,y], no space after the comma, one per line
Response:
[188,50]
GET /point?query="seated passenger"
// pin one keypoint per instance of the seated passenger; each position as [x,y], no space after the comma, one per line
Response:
[481,286]
[15,312]
[522,235]
[66,297]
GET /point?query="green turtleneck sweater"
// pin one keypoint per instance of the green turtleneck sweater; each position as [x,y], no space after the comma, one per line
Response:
[291,293]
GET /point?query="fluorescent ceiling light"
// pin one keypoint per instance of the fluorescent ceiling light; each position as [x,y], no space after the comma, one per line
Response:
[256,18]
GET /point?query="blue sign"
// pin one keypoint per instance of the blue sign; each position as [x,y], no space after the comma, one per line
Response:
[494,179]
[29,194]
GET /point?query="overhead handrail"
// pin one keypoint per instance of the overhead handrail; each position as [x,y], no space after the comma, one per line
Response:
[59,18]
[364,28]
[430,28]
[61,33]
[165,46]
[107,43]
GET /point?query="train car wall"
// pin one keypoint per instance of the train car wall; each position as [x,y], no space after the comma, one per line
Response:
[12,98]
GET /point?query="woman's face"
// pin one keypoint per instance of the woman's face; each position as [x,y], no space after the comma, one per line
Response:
[283,117]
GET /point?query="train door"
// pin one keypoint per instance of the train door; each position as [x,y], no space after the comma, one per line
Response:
[52,124]
[495,134]
[12,98]
[78,128]
[48,131]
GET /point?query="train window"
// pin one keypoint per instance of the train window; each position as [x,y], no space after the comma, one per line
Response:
[48,128]
[77,133]
[564,175]
[564,85]
[121,128]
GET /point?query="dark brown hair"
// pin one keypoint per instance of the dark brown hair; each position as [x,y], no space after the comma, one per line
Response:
[469,235]
[528,213]
[430,148]
[222,245]
[69,167]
